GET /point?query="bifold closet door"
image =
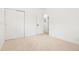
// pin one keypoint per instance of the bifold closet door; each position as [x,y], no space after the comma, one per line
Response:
[14,23]
[1,25]
[2,38]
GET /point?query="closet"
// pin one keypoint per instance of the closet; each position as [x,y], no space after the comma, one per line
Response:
[14,23]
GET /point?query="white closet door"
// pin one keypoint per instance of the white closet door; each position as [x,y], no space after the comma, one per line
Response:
[14,24]
[20,24]
[1,28]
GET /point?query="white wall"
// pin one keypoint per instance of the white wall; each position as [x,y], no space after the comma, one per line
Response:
[64,23]
[1,27]
[33,17]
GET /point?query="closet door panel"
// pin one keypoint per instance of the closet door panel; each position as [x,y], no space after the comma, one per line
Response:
[14,24]
[1,24]
[10,24]
[20,24]
[2,36]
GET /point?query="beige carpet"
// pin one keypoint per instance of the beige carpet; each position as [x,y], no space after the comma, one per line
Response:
[39,43]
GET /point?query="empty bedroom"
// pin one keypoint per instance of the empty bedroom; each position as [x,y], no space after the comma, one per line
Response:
[39,29]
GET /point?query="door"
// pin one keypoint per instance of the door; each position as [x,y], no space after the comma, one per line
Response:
[46,24]
[2,37]
[14,23]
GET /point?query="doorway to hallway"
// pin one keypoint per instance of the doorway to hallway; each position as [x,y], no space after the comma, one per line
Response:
[46,24]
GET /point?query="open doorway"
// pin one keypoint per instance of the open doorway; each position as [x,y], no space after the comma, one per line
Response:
[46,24]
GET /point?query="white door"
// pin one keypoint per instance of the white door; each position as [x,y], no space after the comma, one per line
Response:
[14,24]
[1,28]
[1,25]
